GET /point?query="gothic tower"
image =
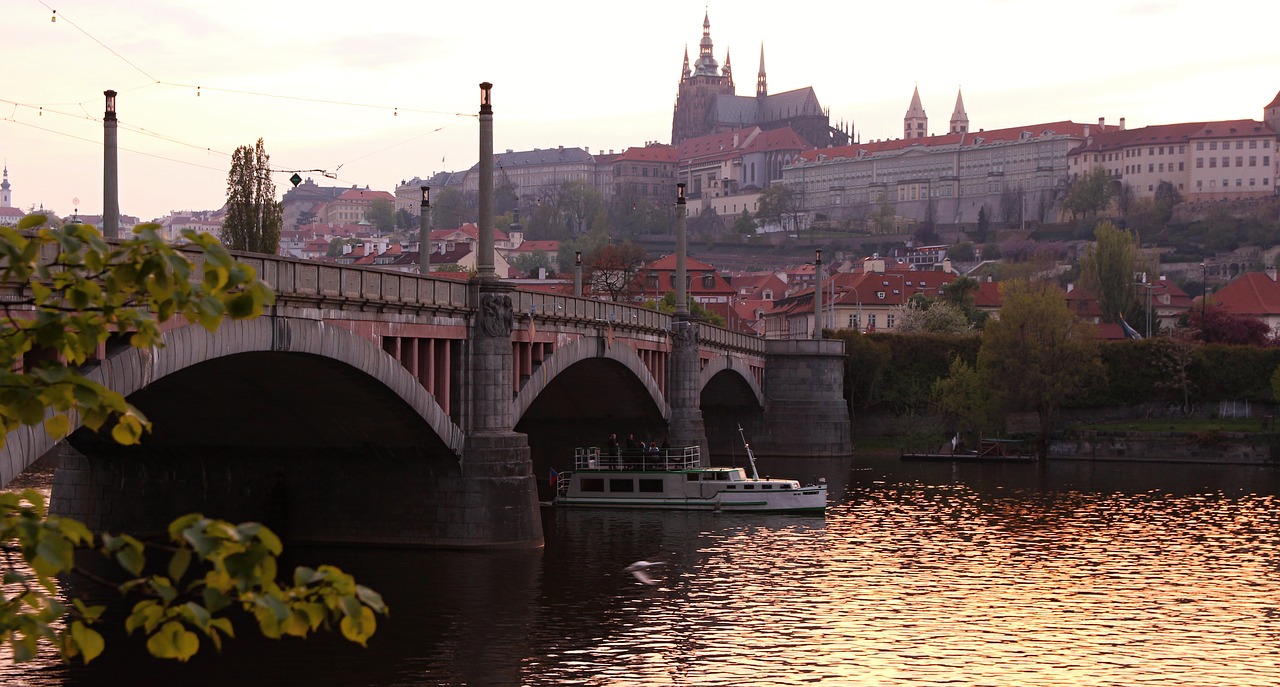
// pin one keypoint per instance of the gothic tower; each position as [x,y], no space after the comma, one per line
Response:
[1271,114]
[916,123]
[5,200]
[762,86]
[698,90]
[959,120]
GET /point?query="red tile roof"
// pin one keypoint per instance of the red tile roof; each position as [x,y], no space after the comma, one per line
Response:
[968,139]
[1253,293]
[365,194]
[654,152]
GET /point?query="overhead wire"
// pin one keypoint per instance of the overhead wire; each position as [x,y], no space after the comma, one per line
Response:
[395,110]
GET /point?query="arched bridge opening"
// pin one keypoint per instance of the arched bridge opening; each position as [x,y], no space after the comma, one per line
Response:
[730,399]
[330,440]
[581,405]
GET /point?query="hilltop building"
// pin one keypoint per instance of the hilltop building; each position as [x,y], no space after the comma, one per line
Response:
[707,103]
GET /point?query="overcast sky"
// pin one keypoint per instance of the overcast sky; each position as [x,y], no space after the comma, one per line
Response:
[375,92]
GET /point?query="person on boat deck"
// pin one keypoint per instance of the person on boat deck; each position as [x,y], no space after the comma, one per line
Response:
[633,443]
[612,447]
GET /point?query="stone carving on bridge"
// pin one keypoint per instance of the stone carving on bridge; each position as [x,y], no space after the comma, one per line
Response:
[684,335]
[495,314]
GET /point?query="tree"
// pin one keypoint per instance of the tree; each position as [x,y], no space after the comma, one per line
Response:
[707,223]
[962,397]
[1124,198]
[1216,325]
[382,214]
[615,270]
[744,224]
[254,216]
[579,203]
[1107,271]
[1089,193]
[530,263]
[79,291]
[961,252]
[776,204]
[984,224]
[451,208]
[1038,354]
[932,317]
[696,309]
[304,218]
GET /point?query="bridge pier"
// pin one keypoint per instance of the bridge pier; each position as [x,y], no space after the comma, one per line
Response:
[685,423]
[805,412]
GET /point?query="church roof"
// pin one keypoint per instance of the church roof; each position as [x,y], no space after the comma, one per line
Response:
[541,157]
[916,108]
[795,103]
[1274,103]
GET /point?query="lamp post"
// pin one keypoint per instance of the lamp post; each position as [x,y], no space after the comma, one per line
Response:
[577,273]
[484,261]
[682,305]
[110,171]
[1204,291]
[424,232]
[817,293]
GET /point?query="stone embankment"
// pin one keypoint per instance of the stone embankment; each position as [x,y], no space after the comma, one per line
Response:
[1181,447]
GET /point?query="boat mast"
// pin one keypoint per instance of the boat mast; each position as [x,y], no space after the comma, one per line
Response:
[750,456]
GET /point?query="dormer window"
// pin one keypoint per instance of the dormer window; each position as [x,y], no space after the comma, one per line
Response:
[880,295]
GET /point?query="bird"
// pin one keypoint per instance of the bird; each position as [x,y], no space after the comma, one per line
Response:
[640,570]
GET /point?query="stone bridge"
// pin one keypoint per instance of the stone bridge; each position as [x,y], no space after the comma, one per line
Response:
[389,408]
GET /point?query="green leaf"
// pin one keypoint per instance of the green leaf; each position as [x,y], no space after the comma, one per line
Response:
[359,629]
[371,598]
[179,563]
[131,559]
[57,426]
[87,640]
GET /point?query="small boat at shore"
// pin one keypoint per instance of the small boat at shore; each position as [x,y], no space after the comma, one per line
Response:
[989,451]
[675,479]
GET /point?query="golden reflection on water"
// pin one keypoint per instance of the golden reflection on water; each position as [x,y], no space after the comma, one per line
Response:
[934,577]
[921,585]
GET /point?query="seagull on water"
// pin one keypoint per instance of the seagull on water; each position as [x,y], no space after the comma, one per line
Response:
[640,570]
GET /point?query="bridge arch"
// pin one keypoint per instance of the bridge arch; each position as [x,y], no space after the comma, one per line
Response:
[134,369]
[587,348]
[726,363]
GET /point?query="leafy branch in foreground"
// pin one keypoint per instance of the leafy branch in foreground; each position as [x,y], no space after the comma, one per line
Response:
[67,291]
[240,571]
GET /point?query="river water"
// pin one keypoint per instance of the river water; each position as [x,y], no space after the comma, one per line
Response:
[1065,573]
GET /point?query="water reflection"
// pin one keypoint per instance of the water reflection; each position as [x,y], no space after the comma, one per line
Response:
[1056,574]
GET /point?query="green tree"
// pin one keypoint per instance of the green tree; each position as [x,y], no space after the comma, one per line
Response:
[304,218]
[777,205]
[743,224]
[1089,193]
[451,208]
[579,203]
[961,252]
[1038,355]
[79,290]
[963,398]
[1107,271]
[696,309]
[530,263]
[254,216]
[382,214]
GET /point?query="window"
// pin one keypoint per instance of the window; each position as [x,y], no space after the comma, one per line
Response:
[1200,145]
[1151,150]
[1182,149]
[651,486]
[1162,150]
[871,321]
[1161,167]
[1238,184]
[618,485]
[1213,145]
[1239,161]
[1239,145]
[888,321]
[1253,160]
[1151,168]
[1182,166]
[1253,144]
[592,484]
[708,280]
[853,322]
[1213,162]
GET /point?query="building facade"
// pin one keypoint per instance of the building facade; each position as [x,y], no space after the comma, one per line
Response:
[949,178]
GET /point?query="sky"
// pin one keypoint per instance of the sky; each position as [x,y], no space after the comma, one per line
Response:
[372,93]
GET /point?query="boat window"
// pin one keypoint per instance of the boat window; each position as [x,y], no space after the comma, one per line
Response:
[722,476]
[621,485]
[766,486]
[651,486]
[592,484]
[692,476]
[748,486]
[733,486]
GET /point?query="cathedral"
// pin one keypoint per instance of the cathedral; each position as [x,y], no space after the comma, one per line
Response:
[706,103]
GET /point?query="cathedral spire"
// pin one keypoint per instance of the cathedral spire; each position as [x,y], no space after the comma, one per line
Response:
[727,72]
[706,65]
[916,123]
[5,200]
[684,74]
[959,120]
[762,87]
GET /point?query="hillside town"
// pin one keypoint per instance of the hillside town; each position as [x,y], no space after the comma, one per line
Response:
[771,178]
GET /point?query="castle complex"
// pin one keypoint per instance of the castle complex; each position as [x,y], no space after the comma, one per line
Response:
[707,103]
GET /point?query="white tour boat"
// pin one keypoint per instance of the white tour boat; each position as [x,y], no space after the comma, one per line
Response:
[674,479]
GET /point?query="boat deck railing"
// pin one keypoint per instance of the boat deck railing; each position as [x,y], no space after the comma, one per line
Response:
[592,458]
